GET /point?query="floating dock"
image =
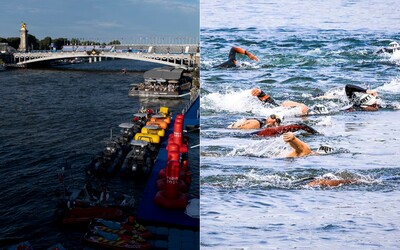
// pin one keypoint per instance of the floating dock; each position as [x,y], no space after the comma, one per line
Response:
[151,214]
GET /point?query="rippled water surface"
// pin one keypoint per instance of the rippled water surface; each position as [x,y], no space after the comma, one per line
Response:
[49,117]
[253,197]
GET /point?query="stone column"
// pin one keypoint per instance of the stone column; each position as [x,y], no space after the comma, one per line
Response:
[23,34]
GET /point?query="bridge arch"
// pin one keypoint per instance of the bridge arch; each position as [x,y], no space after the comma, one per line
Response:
[179,60]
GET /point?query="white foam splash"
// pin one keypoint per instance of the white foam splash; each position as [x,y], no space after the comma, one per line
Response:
[260,148]
[243,102]
[248,65]
[334,93]
[395,58]
[207,64]
[316,51]
[230,101]
[325,121]
[392,87]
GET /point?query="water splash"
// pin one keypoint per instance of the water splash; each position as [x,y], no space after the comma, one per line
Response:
[241,102]
[395,58]
[260,148]
[257,178]
[392,87]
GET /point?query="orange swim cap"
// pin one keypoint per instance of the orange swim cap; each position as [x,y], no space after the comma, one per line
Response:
[255,92]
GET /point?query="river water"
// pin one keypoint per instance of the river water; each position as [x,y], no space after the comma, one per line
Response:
[48,117]
[251,196]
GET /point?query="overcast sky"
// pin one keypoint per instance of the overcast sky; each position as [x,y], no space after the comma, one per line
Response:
[102,20]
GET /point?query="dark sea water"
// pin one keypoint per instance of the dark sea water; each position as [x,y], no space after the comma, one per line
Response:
[251,196]
[48,117]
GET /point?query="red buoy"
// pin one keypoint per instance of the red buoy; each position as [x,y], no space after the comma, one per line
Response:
[171,197]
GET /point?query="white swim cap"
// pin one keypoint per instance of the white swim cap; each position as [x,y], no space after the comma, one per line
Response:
[320,109]
[325,149]
[394,45]
[367,100]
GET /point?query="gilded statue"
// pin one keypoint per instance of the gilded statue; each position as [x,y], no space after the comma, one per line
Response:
[23,26]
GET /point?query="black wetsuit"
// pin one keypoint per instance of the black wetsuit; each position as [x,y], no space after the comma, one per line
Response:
[350,93]
[231,60]
[386,50]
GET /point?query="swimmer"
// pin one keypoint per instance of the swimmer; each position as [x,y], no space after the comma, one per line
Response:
[359,98]
[330,183]
[326,181]
[301,148]
[362,98]
[392,49]
[278,130]
[255,123]
[265,98]
[232,57]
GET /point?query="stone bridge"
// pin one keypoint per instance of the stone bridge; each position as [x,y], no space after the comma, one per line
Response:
[187,56]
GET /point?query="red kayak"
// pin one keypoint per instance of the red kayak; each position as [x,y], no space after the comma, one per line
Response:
[79,215]
[274,131]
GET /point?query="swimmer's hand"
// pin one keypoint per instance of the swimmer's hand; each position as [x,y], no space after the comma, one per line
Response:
[251,56]
[287,137]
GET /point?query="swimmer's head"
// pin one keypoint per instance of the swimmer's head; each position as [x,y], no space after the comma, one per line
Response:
[394,45]
[273,120]
[255,92]
[325,149]
[320,109]
[367,100]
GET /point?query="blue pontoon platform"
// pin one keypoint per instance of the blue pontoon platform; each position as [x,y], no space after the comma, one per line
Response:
[148,211]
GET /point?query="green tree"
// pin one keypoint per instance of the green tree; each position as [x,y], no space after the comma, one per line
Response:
[75,41]
[33,42]
[60,42]
[44,44]
[13,42]
[114,42]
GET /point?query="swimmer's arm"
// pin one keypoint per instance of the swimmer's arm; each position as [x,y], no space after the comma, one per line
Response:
[300,148]
[251,56]
[243,52]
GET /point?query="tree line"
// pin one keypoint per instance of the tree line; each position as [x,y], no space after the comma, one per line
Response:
[47,42]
